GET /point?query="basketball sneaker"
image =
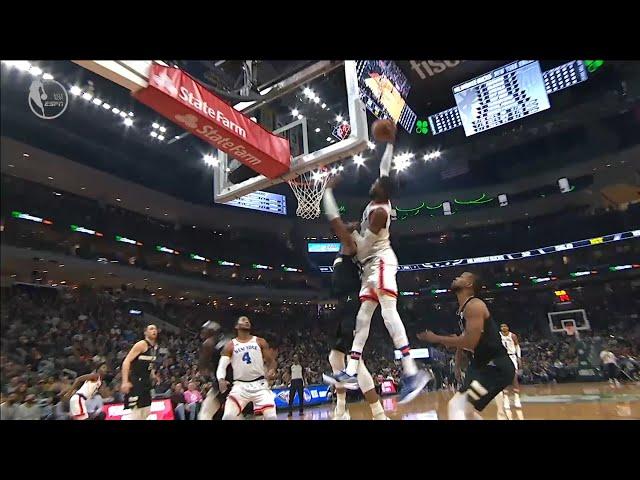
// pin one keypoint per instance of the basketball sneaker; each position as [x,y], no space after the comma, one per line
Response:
[413,385]
[344,416]
[341,379]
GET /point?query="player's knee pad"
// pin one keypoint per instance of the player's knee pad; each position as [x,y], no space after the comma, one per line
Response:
[231,410]
[365,380]
[269,414]
[336,360]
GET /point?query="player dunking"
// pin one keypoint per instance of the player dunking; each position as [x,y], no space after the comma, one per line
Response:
[214,342]
[248,356]
[378,286]
[512,344]
[345,284]
[90,385]
[490,370]
[137,369]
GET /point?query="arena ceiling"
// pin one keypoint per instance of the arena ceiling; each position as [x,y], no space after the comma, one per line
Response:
[596,117]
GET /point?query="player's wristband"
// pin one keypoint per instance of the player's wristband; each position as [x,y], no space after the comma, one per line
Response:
[330,206]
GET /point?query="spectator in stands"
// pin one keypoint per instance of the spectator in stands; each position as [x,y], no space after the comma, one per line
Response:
[29,410]
[9,408]
[193,399]
[178,401]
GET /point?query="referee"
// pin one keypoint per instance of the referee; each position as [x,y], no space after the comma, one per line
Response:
[297,386]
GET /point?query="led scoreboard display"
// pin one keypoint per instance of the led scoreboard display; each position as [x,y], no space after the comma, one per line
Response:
[506,94]
[262,202]
[503,95]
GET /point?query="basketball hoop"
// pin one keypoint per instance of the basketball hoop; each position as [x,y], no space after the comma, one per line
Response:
[308,189]
[571,331]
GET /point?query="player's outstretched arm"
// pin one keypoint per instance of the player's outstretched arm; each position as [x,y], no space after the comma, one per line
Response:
[333,215]
[385,163]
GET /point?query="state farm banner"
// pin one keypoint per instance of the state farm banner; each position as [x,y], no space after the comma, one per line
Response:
[160,410]
[184,101]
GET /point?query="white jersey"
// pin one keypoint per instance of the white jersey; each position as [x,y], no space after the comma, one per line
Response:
[382,246]
[509,343]
[246,360]
[89,388]
[607,357]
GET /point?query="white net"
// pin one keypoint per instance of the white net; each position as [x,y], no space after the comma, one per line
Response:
[308,189]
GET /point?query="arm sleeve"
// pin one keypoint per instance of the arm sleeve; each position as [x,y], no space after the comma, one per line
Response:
[330,206]
[224,362]
[385,163]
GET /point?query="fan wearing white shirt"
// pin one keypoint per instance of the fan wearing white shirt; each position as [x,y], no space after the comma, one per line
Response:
[610,365]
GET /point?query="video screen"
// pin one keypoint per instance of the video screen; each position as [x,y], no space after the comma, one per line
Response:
[384,90]
[323,247]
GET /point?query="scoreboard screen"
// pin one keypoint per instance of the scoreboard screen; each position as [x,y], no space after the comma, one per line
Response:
[503,95]
[262,202]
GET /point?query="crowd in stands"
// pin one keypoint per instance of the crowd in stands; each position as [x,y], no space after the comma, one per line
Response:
[50,336]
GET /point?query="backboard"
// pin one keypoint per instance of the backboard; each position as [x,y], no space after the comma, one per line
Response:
[314,102]
[559,321]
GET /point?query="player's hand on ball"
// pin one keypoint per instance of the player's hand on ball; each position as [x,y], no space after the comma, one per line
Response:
[126,387]
[224,385]
[427,336]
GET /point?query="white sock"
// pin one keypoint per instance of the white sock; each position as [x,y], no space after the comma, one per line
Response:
[377,411]
[507,405]
[342,402]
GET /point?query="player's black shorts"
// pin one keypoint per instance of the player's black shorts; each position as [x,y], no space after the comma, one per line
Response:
[348,306]
[139,396]
[483,382]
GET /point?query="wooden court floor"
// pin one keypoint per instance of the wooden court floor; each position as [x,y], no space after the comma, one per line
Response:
[569,401]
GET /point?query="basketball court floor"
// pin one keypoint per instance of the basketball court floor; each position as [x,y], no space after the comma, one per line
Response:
[574,401]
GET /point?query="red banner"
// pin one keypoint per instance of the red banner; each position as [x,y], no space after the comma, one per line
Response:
[184,101]
[160,410]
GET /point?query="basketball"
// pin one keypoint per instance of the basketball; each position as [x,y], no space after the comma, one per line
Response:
[384,131]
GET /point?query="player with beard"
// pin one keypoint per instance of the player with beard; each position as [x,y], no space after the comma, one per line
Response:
[214,342]
[248,356]
[490,369]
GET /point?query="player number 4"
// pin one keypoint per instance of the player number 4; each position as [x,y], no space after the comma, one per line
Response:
[246,358]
